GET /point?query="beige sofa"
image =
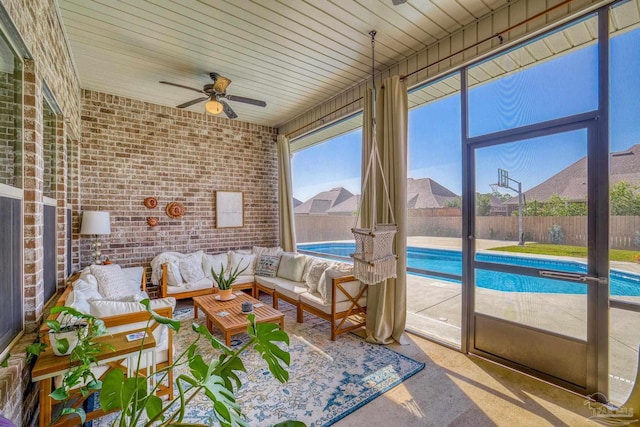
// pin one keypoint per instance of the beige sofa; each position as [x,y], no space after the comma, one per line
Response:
[322,287]
[112,293]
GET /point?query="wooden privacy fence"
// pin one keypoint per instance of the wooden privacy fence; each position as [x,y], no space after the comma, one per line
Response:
[625,230]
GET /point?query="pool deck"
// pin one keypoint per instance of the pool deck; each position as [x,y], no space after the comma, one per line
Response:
[434,309]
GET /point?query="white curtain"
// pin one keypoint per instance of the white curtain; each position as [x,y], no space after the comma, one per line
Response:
[387,301]
[286,218]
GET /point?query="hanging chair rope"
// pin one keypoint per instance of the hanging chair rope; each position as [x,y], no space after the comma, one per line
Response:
[374,260]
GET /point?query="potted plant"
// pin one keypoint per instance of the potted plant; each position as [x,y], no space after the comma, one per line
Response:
[73,333]
[217,379]
[225,281]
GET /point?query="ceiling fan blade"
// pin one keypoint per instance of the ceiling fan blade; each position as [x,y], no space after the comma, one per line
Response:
[228,110]
[193,101]
[246,100]
[184,87]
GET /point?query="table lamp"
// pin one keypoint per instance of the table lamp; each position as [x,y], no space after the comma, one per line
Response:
[95,223]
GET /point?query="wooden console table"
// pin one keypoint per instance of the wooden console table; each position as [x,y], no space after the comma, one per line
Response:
[116,349]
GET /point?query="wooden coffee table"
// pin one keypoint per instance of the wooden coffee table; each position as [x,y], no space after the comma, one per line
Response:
[235,321]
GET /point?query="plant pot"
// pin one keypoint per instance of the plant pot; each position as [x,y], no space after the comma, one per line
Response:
[225,294]
[63,342]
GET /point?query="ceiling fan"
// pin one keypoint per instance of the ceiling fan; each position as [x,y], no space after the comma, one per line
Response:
[215,95]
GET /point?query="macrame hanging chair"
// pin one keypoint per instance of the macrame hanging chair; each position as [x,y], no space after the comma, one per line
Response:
[374,259]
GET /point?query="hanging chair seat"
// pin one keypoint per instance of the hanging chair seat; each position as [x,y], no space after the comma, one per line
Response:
[374,260]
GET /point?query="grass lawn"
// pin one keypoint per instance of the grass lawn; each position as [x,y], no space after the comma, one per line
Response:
[562,250]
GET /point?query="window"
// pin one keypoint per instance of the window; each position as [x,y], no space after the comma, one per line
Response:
[434,187]
[11,315]
[326,187]
[521,87]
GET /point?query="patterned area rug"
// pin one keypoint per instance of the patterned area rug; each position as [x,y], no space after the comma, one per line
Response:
[327,379]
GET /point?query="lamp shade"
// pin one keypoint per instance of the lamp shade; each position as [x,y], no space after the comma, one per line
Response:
[95,222]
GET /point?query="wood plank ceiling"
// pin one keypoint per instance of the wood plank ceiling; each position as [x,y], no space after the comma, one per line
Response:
[293,54]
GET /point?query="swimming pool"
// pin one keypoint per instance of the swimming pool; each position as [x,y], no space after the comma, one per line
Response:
[450,262]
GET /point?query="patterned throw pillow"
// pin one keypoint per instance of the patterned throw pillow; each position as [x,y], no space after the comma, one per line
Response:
[191,267]
[112,283]
[268,265]
[314,272]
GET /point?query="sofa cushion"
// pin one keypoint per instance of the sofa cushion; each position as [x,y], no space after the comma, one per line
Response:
[240,261]
[291,289]
[112,283]
[314,272]
[86,290]
[134,278]
[315,300]
[291,266]
[106,308]
[267,265]
[215,262]
[243,278]
[268,282]
[335,270]
[191,267]
[174,278]
[203,283]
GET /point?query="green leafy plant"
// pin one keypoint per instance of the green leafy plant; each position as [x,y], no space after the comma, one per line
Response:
[216,378]
[81,359]
[225,281]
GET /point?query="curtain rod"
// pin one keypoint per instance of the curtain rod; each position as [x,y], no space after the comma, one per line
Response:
[323,117]
[498,35]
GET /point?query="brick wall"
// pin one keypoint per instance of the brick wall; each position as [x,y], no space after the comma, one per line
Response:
[50,64]
[131,150]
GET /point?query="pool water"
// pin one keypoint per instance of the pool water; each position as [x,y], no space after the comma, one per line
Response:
[450,262]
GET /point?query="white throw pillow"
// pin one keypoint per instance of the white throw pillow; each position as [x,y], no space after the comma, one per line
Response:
[215,262]
[191,267]
[242,260]
[134,278]
[174,278]
[314,273]
[86,289]
[334,270]
[112,283]
[292,266]
[86,275]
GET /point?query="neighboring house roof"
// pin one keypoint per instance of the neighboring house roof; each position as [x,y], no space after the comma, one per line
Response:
[296,202]
[348,207]
[427,193]
[571,182]
[322,202]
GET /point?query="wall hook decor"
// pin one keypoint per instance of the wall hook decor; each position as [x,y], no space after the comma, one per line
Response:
[152,221]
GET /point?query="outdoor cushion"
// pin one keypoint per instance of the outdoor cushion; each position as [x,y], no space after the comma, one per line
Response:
[335,270]
[240,260]
[242,279]
[134,278]
[315,269]
[291,266]
[291,289]
[315,300]
[215,262]
[107,308]
[267,265]
[203,283]
[191,267]
[112,283]
[174,278]
[269,282]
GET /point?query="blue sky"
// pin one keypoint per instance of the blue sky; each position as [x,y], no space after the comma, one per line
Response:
[552,89]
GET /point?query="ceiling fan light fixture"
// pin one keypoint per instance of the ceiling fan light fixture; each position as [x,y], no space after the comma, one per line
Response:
[213,106]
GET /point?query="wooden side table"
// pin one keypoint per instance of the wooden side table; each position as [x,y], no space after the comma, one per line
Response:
[116,349]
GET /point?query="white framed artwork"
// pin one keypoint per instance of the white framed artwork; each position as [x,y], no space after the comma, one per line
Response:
[229,209]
